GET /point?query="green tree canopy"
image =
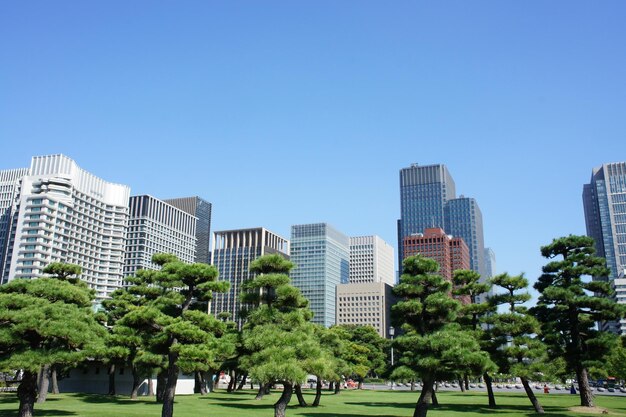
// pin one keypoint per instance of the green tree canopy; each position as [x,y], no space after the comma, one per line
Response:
[173,309]
[570,305]
[432,344]
[42,322]
[281,342]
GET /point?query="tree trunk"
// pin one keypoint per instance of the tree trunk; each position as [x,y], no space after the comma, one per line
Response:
[318,392]
[434,399]
[232,382]
[488,383]
[170,387]
[111,373]
[531,396]
[199,383]
[337,387]
[161,382]
[586,397]
[421,408]
[461,385]
[301,401]
[27,394]
[262,390]
[281,405]
[43,383]
[331,386]
[136,383]
[150,386]
[412,385]
[54,379]
[243,381]
[360,386]
[466,379]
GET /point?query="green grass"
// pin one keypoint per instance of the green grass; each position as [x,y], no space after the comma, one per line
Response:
[347,404]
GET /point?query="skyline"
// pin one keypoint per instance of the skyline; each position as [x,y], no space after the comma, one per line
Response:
[282,114]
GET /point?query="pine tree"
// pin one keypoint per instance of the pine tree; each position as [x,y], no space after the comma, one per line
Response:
[280,339]
[174,309]
[568,311]
[521,353]
[45,321]
[432,345]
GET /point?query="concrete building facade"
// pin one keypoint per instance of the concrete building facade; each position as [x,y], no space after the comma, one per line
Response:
[233,251]
[155,226]
[365,304]
[201,209]
[371,260]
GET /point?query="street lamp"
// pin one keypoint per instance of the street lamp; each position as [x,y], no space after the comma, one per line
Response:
[392,332]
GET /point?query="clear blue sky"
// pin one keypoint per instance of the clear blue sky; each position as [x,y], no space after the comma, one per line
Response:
[293,112]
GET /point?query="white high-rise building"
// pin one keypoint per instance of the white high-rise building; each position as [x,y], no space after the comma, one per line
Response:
[371,260]
[55,211]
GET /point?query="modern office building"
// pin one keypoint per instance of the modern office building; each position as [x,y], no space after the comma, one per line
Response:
[604,200]
[233,251]
[428,200]
[322,256]
[201,209]
[155,226]
[55,211]
[424,192]
[371,260]
[365,304]
[464,219]
[451,253]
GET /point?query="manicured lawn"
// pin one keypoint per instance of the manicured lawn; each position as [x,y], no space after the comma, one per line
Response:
[347,404]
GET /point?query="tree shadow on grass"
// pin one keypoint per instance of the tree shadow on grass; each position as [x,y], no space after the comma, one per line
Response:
[110,399]
[38,412]
[521,410]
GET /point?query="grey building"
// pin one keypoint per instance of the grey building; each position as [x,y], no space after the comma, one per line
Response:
[155,226]
[201,209]
[322,256]
[233,251]
[604,201]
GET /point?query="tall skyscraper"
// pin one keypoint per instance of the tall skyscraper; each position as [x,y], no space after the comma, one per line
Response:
[321,254]
[464,219]
[233,251]
[428,200]
[371,260]
[604,200]
[57,212]
[201,209]
[424,192]
[155,226]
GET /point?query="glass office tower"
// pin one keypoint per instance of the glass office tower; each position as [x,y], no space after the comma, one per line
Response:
[322,255]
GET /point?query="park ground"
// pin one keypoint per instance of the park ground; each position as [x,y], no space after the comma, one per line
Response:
[352,403]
